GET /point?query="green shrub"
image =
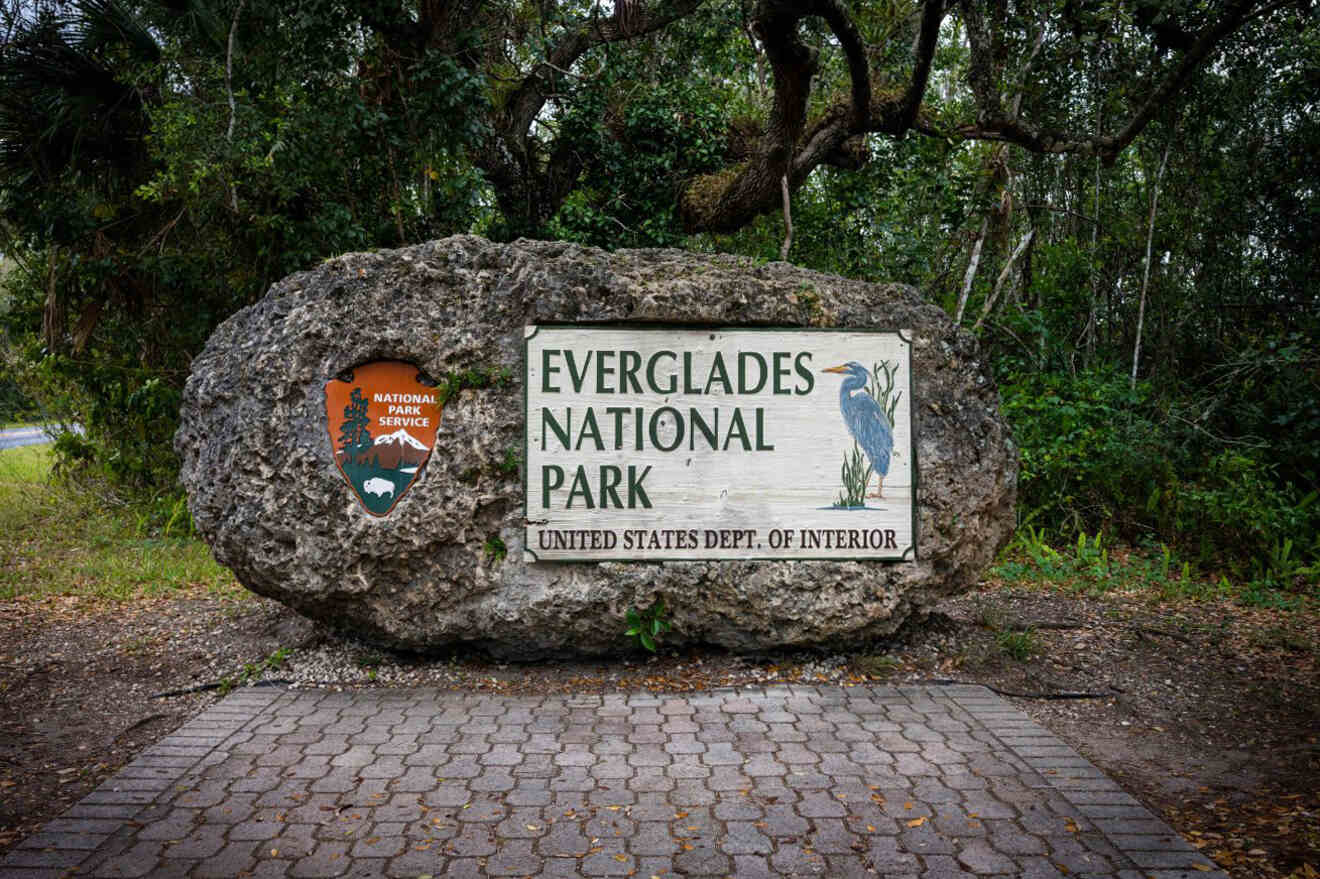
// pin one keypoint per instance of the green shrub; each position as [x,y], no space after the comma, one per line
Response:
[1092,454]
[1100,455]
[14,404]
[1235,501]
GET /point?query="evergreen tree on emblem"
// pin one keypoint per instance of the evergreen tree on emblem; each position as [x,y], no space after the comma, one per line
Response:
[354,437]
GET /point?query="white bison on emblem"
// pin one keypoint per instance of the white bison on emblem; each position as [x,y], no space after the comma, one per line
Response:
[378,487]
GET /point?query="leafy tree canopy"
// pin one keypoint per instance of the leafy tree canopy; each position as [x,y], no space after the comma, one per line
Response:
[1119,197]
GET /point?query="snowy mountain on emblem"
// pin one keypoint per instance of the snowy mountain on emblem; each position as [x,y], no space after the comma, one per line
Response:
[399,449]
[402,438]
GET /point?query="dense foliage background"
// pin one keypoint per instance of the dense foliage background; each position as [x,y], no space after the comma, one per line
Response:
[1152,316]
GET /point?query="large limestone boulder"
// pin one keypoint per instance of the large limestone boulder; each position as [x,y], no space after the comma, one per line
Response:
[265,491]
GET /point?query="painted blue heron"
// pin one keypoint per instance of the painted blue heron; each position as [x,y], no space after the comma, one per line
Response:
[865,420]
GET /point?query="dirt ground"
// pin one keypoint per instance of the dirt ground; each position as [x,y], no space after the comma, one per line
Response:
[1208,713]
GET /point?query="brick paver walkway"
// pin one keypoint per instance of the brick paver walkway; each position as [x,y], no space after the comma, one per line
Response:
[782,781]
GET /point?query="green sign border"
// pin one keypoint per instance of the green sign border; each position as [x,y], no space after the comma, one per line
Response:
[711,328]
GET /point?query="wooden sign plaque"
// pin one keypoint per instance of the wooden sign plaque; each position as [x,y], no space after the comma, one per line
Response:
[652,444]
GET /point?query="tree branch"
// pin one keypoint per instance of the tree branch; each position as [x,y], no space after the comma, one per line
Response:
[859,69]
[932,17]
[789,148]
[1207,42]
[527,100]
[530,178]
[995,124]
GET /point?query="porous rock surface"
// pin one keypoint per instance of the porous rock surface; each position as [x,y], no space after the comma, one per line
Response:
[266,494]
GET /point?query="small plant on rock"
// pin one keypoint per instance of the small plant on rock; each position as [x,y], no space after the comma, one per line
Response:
[495,548]
[512,461]
[646,626]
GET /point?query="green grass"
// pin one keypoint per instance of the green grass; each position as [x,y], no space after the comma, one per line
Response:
[1093,568]
[58,539]
[23,465]
[1018,645]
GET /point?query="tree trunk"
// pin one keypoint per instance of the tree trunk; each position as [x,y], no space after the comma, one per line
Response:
[53,313]
[1145,275]
[1003,276]
[1095,267]
[229,90]
[970,277]
[788,220]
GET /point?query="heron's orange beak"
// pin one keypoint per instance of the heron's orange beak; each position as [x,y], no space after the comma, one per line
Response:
[836,369]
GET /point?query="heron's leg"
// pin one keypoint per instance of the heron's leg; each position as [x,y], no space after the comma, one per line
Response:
[879,486]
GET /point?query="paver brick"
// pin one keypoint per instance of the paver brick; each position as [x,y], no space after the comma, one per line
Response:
[200,842]
[1071,853]
[911,765]
[257,781]
[34,858]
[1008,838]
[398,745]
[235,859]
[101,797]
[831,836]
[945,867]
[564,840]
[611,798]
[1181,858]
[516,858]
[607,863]
[326,860]
[652,838]
[954,821]
[97,826]
[530,792]
[1148,842]
[382,843]
[493,782]
[1130,826]
[141,859]
[254,830]
[691,792]
[795,860]
[32,872]
[981,856]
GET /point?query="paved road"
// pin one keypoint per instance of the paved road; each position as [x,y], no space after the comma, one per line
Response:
[12,437]
[784,781]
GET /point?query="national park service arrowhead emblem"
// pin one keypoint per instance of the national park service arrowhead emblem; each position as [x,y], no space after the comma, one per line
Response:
[382,424]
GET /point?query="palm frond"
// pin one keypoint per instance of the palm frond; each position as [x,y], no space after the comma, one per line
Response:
[108,26]
[66,99]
